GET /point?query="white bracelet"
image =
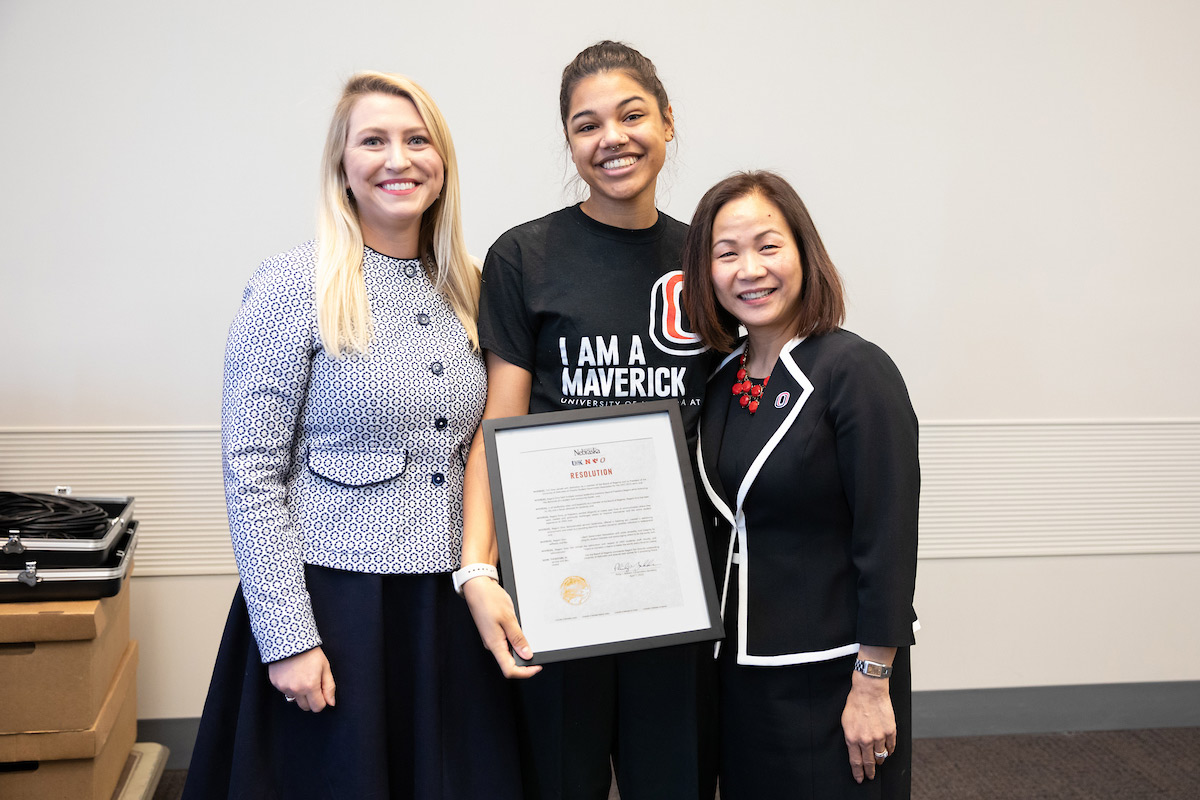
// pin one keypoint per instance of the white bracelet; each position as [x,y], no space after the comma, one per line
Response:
[470,571]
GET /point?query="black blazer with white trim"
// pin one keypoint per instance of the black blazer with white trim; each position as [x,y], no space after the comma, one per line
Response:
[825,519]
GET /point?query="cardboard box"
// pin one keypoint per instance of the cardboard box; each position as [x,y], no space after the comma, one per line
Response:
[80,764]
[58,659]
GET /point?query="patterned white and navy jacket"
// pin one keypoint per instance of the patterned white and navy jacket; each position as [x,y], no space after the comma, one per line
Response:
[354,463]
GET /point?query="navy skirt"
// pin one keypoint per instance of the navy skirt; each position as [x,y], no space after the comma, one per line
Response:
[422,709]
[781,727]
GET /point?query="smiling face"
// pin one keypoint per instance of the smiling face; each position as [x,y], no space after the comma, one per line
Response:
[757,272]
[392,169]
[618,139]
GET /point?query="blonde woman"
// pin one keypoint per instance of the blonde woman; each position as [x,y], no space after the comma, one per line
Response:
[353,390]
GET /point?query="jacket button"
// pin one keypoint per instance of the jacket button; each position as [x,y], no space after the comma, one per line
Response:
[440,423]
[422,319]
[436,368]
[410,271]
[437,479]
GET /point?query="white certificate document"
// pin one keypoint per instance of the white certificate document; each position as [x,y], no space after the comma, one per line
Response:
[600,538]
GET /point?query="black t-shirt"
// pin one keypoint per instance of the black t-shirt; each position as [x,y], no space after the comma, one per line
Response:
[593,312]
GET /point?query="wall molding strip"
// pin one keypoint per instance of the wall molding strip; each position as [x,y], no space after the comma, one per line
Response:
[990,488]
[1095,487]
[1056,709]
[174,473]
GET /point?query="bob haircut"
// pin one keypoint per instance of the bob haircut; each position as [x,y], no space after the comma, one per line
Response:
[822,304]
[343,313]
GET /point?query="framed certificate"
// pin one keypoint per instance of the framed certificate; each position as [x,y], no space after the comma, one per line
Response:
[601,543]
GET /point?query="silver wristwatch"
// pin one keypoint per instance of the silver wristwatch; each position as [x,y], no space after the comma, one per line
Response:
[873,669]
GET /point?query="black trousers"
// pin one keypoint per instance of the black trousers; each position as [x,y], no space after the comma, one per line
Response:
[653,713]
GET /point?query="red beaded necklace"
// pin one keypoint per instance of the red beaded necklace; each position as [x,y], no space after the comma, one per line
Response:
[748,392]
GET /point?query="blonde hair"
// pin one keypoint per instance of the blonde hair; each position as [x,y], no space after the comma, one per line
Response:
[343,314]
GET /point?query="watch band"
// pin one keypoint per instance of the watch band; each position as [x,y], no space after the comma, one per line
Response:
[460,577]
[873,669]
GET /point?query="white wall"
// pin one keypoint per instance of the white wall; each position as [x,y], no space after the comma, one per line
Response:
[1006,187]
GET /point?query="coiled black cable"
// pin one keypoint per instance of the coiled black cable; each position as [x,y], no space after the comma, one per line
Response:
[51,516]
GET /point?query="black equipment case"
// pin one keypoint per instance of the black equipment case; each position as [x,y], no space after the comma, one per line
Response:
[35,583]
[18,547]
[38,563]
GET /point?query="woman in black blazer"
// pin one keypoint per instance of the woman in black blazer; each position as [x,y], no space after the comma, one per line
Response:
[808,450]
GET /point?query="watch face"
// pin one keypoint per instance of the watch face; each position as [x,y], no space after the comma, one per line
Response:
[873,670]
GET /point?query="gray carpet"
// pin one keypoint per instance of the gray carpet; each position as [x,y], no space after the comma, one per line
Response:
[1098,765]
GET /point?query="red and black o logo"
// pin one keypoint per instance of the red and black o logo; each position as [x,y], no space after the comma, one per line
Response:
[669,329]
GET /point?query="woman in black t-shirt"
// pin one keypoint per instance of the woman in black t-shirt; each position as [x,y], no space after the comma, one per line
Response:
[581,308]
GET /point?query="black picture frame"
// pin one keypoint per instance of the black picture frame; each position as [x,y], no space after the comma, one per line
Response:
[694,565]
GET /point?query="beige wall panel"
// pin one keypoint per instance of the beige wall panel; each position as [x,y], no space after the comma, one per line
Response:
[986,623]
[1007,622]
[178,622]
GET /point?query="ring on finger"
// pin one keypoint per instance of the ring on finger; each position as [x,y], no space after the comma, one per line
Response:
[289,698]
[884,754]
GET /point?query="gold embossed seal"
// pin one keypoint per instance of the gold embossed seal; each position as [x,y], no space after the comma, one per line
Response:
[575,590]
